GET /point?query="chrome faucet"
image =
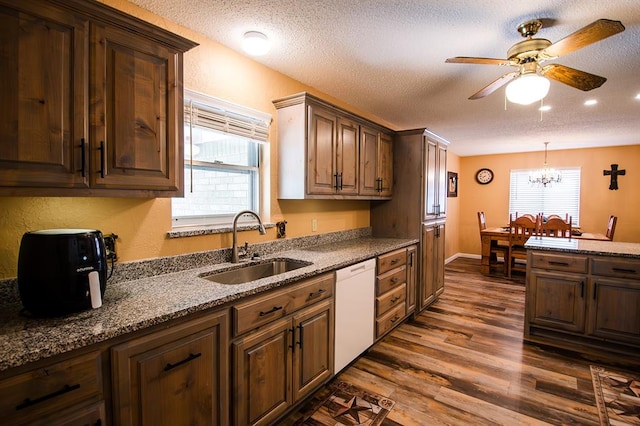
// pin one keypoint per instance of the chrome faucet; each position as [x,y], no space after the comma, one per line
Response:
[234,247]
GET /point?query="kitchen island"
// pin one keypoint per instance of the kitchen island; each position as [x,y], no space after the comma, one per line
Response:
[583,295]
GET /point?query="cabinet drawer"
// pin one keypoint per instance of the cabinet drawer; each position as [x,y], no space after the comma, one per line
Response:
[390,299]
[280,303]
[390,280]
[51,388]
[390,320]
[391,260]
[623,268]
[558,262]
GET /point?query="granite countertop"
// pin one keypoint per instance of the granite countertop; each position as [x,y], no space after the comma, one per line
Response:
[136,304]
[578,246]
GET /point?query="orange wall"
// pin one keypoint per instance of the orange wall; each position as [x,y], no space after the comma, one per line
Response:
[597,202]
[142,224]
[452,231]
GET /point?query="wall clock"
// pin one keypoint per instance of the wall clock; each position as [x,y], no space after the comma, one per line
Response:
[484,176]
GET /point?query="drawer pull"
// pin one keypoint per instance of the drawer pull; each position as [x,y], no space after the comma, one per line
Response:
[555,263]
[394,319]
[30,402]
[316,293]
[394,261]
[394,280]
[270,311]
[191,357]
[395,299]
[625,271]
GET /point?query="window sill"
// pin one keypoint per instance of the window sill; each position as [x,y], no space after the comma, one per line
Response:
[193,231]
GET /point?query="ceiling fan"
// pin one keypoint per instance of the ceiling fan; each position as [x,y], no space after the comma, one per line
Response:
[527,56]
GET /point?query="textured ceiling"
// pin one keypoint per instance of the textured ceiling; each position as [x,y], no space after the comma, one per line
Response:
[387,58]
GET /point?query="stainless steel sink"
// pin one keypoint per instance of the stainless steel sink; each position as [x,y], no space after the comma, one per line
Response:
[255,271]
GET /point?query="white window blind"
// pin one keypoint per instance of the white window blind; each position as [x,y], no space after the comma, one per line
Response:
[217,114]
[559,198]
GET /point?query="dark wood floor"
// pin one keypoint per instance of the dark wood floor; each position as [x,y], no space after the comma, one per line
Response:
[463,361]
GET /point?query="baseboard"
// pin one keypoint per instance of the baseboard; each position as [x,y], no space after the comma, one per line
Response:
[467,255]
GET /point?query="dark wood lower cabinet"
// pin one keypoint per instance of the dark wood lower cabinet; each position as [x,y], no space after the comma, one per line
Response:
[174,376]
[281,363]
[586,301]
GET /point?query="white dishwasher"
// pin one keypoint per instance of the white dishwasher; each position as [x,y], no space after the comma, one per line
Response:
[355,316]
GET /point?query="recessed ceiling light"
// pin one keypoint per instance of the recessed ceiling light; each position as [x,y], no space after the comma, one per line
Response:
[638,96]
[544,108]
[255,43]
[590,102]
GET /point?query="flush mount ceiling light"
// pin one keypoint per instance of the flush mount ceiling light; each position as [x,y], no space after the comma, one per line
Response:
[527,89]
[590,102]
[546,175]
[255,43]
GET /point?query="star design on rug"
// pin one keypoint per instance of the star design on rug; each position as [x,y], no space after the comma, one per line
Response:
[353,408]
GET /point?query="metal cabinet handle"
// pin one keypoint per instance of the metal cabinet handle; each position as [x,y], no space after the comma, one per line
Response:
[30,402]
[395,299]
[411,259]
[551,262]
[102,157]
[582,289]
[292,346]
[191,357]
[316,293]
[335,180]
[270,311]
[300,336]
[394,280]
[394,319]
[625,271]
[340,176]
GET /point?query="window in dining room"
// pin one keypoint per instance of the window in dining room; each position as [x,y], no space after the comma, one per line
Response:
[561,198]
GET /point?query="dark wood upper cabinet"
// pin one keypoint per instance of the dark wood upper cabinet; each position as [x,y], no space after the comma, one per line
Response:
[93,102]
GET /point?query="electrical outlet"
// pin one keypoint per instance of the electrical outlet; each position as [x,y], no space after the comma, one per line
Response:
[314,225]
[110,247]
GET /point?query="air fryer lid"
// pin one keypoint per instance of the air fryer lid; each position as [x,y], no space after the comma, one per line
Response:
[53,269]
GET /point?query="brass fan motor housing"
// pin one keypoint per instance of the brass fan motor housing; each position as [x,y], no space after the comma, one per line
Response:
[527,50]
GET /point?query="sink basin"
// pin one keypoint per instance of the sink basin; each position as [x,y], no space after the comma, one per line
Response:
[256,271]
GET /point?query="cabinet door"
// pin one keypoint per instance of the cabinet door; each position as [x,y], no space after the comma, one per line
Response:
[321,145]
[175,376]
[385,165]
[43,106]
[412,277]
[614,312]
[439,260]
[430,184]
[313,349]
[557,300]
[427,289]
[369,183]
[261,374]
[347,161]
[136,117]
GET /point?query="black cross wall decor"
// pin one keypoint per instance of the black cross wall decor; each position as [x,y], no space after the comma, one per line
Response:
[614,172]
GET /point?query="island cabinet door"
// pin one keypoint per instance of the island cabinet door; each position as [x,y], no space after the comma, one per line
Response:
[614,312]
[261,384]
[557,301]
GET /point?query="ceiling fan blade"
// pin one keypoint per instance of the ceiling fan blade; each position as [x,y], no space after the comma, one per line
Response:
[596,31]
[473,60]
[495,85]
[572,77]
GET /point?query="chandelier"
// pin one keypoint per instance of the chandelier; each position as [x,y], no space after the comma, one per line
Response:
[546,175]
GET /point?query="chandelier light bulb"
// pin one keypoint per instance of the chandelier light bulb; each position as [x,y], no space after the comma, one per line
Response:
[255,43]
[527,89]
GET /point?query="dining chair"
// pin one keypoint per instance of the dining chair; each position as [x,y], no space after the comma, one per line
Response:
[496,249]
[522,228]
[555,227]
[611,227]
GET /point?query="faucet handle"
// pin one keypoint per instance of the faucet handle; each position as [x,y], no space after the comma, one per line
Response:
[244,252]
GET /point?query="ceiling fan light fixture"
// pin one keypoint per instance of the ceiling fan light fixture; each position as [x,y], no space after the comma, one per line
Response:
[527,89]
[255,43]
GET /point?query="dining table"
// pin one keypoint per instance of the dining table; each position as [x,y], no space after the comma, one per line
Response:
[491,236]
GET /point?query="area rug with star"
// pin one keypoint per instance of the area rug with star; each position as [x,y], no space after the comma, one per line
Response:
[617,396]
[345,404]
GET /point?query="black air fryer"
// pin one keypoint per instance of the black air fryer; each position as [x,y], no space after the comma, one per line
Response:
[61,271]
